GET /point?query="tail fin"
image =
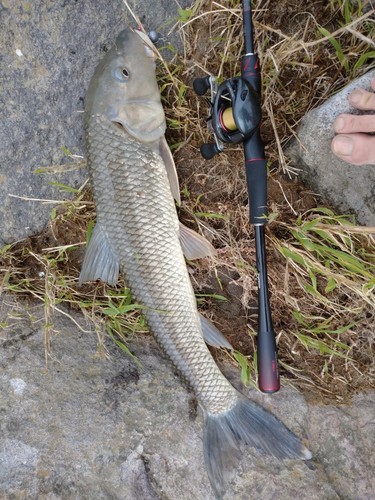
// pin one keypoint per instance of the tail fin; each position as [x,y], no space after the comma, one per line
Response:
[251,424]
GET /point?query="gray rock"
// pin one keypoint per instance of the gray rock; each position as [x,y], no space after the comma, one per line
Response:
[348,188]
[95,427]
[49,50]
[347,450]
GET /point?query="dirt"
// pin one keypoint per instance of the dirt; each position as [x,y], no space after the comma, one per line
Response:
[225,193]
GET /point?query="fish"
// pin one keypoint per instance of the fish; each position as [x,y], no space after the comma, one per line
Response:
[138,232]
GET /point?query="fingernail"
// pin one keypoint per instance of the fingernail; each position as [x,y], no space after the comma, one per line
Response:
[339,124]
[343,146]
[356,96]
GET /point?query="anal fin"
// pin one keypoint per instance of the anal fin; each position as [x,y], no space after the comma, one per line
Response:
[212,336]
[101,261]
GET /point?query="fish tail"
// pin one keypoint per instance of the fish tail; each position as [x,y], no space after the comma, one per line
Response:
[248,423]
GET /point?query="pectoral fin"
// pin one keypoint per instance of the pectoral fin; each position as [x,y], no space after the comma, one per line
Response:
[194,246]
[212,335]
[100,262]
[170,166]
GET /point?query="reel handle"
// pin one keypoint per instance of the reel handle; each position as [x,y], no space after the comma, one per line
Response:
[209,150]
[201,85]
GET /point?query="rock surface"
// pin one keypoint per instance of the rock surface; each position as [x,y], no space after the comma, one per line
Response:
[349,188]
[49,50]
[91,427]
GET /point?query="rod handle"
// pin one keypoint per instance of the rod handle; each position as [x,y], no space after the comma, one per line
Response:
[268,372]
[256,177]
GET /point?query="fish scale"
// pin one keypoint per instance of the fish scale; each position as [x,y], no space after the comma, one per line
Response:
[139,216]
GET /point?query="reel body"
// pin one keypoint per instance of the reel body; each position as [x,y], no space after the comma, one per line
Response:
[235,112]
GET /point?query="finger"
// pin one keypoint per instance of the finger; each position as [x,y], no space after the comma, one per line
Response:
[361,99]
[347,124]
[357,149]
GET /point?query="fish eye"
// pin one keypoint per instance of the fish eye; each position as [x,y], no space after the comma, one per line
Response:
[121,74]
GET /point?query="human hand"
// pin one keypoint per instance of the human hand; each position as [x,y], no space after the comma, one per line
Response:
[353,143]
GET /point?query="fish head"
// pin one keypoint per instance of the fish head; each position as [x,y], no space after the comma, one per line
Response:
[124,89]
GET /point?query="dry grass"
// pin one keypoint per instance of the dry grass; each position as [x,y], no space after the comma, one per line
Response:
[321,266]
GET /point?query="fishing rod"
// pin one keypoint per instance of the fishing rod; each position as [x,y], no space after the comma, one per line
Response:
[235,118]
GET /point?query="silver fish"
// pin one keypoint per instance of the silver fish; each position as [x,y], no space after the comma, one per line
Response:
[137,231]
